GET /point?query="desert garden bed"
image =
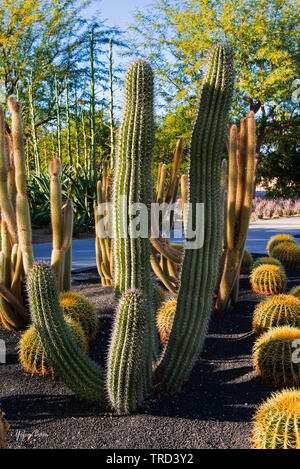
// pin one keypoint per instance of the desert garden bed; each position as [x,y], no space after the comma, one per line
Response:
[213,410]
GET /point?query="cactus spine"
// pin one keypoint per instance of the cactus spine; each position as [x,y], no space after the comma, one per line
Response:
[241,158]
[200,266]
[75,368]
[127,359]
[133,185]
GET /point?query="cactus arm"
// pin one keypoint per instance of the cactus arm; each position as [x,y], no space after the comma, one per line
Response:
[56,216]
[75,368]
[126,359]
[232,187]
[22,206]
[7,209]
[196,290]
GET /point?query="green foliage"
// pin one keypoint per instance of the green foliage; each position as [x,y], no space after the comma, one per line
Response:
[176,35]
[278,310]
[279,167]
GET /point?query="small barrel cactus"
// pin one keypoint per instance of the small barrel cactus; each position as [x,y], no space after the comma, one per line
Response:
[81,309]
[268,279]
[277,239]
[295,292]
[288,254]
[32,356]
[247,262]
[273,354]
[164,319]
[278,310]
[276,424]
[266,260]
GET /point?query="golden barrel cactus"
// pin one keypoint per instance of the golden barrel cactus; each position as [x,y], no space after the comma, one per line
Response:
[247,262]
[278,310]
[276,358]
[276,424]
[81,309]
[277,239]
[288,254]
[295,291]
[266,260]
[268,279]
[32,356]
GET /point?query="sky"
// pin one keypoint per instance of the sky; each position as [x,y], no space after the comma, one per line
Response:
[117,12]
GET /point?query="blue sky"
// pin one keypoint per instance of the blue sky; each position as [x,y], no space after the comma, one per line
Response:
[117,12]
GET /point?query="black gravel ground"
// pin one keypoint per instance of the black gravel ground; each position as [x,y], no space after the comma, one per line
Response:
[214,409]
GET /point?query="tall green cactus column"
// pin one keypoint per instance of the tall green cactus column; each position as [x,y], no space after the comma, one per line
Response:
[200,266]
[132,184]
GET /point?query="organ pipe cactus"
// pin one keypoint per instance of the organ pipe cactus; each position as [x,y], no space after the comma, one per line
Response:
[127,360]
[200,265]
[69,362]
[241,157]
[132,184]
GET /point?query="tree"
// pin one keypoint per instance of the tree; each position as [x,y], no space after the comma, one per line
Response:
[279,167]
[177,34]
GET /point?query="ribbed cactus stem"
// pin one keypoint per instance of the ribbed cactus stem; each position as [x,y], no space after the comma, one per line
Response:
[133,185]
[22,206]
[74,367]
[200,265]
[7,209]
[127,360]
[56,215]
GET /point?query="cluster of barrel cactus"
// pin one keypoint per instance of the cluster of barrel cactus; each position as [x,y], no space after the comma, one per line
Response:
[277,422]
[266,260]
[277,239]
[133,350]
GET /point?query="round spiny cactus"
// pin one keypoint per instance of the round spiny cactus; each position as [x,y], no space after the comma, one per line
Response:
[275,356]
[277,239]
[247,262]
[295,292]
[267,260]
[164,319]
[278,310]
[289,255]
[268,279]
[32,356]
[81,309]
[4,427]
[276,424]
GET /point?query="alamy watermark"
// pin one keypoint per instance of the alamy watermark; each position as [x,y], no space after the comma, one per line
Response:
[163,221]
[296,352]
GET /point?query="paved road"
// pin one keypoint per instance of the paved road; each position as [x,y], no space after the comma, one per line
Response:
[258,236]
